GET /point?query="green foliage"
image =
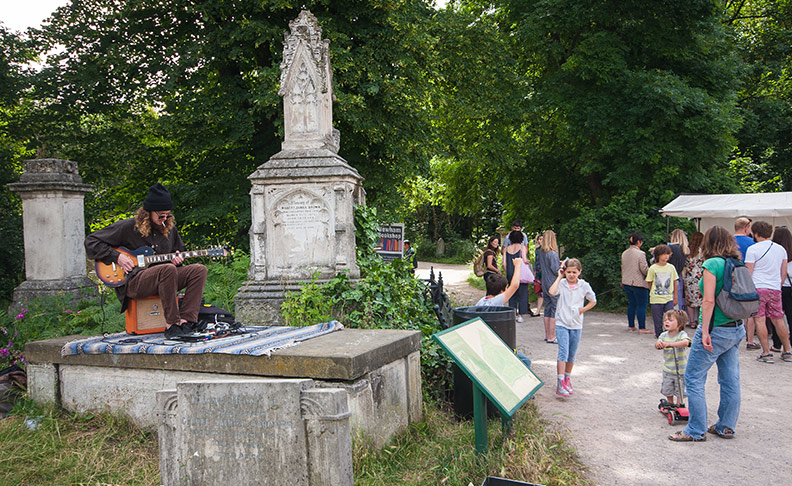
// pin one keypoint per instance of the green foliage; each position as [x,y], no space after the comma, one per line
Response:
[439,451]
[224,278]
[67,448]
[598,236]
[387,296]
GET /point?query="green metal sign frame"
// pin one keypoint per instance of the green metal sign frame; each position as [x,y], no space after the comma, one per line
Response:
[494,369]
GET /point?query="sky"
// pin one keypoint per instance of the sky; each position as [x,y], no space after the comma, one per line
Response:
[21,14]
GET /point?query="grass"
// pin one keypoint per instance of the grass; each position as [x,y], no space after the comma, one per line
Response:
[439,451]
[102,449]
[69,449]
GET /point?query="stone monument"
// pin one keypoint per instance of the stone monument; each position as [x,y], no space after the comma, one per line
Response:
[52,195]
[303,197]
[271,431]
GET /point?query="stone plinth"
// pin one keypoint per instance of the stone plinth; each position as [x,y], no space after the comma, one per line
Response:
[52,195]
[379,370]
[254,432]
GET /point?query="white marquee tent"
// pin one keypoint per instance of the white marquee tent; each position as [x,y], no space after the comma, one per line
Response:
[723,209]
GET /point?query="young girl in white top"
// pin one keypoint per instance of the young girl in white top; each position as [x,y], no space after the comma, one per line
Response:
[572,293]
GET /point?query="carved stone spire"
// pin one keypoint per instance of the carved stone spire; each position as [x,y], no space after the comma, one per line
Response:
[307,87]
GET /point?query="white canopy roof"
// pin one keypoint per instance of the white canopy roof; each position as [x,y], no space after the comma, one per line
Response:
[723,209]
[767,204]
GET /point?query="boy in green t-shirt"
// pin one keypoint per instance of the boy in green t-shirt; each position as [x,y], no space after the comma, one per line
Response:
[663,294]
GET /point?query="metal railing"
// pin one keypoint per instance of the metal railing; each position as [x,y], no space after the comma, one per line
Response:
[441,304]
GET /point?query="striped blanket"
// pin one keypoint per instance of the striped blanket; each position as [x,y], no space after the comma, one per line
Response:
[255,341]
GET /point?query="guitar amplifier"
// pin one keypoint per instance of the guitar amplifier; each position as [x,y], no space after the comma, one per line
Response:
[145,316]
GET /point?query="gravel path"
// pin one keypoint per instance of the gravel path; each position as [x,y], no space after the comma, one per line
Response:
[613,417]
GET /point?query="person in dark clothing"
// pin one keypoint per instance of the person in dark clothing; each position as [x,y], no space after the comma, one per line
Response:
[409,254]
[153,226]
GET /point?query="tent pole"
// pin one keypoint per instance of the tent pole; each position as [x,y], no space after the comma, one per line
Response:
[668,228]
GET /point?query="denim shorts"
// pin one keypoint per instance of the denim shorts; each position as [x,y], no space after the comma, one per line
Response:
[568,341]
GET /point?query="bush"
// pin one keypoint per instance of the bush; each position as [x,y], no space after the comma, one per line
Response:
[387,296]
[598,236]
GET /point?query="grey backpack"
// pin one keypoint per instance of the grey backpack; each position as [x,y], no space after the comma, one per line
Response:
[738,299]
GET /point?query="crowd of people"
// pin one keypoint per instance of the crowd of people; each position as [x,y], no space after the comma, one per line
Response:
[682,283]
[679,284]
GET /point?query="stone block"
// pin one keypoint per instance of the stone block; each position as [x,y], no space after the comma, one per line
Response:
[254,432]
[42,383]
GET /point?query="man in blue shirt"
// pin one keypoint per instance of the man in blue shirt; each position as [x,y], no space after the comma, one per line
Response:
[742,234]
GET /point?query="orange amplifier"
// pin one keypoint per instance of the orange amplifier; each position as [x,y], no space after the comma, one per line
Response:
[145,316]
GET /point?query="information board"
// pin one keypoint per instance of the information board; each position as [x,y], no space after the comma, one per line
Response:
[391,243]
[490,364]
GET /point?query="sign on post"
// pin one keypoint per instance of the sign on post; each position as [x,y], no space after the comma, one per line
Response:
[493,368]
[391,244]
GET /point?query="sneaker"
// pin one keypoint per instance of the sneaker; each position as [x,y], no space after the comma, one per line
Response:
[766,358]
[561,391]
[176,331]
[786,356]
[519,318]
[567,383]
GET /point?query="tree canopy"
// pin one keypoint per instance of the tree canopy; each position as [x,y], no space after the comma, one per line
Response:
[583,117]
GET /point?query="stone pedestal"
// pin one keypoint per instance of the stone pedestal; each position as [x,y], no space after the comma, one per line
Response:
[254,432]
[52,195]
[303,198]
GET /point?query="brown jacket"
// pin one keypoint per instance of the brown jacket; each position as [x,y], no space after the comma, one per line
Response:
[634,267]
[100,245]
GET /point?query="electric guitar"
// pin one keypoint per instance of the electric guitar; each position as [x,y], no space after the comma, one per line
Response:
[113,275]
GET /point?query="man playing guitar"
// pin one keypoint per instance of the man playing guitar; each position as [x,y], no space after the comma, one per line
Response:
[153,226]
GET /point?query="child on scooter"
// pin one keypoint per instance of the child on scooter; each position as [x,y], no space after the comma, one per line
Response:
[572,293]
[673,337]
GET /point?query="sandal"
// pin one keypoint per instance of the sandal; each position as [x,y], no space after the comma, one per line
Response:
[683,437]
[775,350]
[551,341]
[752,346]
[645,331]
[786,356]
[631,329]
[766,358]
[726,434]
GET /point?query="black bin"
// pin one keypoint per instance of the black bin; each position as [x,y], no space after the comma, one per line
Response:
[502,321]
[493,481]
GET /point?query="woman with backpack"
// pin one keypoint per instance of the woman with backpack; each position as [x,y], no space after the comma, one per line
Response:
[717,340]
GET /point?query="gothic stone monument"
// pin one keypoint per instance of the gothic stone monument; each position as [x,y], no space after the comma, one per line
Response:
[303,197]
[52,195]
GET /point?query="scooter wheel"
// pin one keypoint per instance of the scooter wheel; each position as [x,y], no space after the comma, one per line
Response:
[670,416]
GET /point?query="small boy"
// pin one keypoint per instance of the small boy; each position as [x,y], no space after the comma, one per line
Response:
[498,294]
[663,294]
[674,337]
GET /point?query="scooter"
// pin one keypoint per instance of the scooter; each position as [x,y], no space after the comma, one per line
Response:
[675,412]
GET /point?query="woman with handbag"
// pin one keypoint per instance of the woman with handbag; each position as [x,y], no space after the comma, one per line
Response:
[520,298]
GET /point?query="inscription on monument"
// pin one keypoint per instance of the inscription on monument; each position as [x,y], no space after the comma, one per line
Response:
[225,425]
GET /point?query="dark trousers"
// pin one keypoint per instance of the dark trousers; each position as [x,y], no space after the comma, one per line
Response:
[657,315]
[638,298]
[165,280]
[519,300]
[786,302]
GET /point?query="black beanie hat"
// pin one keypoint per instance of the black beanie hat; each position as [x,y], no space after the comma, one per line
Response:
[158,199]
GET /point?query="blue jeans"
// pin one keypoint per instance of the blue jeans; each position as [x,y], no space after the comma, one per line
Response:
[568,341]
[638,298]
[725,352]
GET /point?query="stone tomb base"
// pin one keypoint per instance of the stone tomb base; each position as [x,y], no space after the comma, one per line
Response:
[378,369]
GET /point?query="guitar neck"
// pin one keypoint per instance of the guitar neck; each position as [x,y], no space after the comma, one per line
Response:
[166,257]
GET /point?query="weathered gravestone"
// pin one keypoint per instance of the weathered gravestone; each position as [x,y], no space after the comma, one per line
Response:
[303,197]
[52,195]
[269,432]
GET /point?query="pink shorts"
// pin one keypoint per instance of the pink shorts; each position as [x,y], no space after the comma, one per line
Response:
[770,304]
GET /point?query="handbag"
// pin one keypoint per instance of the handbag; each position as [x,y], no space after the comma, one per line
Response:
[526,275]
